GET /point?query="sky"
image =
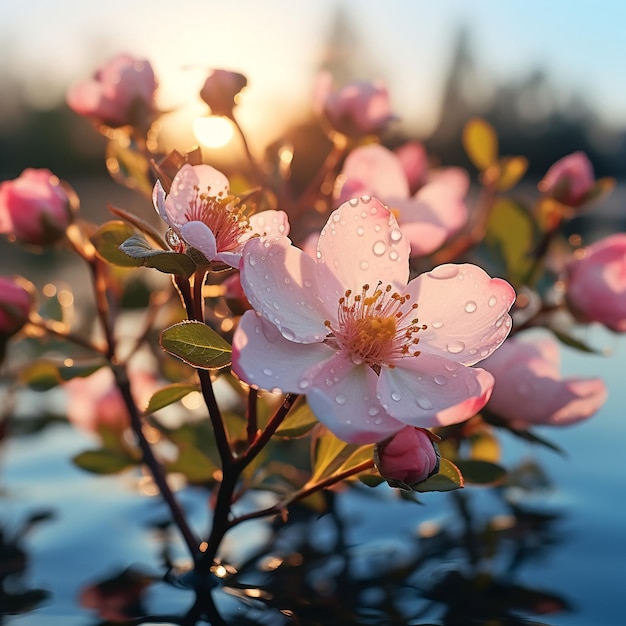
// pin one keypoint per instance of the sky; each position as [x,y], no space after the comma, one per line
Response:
[278,44]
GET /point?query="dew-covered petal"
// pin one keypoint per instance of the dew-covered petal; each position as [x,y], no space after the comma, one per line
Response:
[361,244]
[158,200]
[430,390]
[464,309]
[269,224]
[280,282]
[198,235]
[343,397]
[264,358]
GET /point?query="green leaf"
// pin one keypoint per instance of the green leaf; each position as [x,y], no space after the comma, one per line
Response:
[481,472]
[481,143]
[572,342]
[448,478]
[107,240]
[139,224]
[44,375]
[195,465]
[167,261]
[511,231]
[333,455]
[298,422]
[197,344]
[168,395]
[103,461]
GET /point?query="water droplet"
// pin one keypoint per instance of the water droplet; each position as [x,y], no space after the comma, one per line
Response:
[379,248]
[307,284]
[393,255]
[492,301]
[484,352]
[287,280]
[366,199]
[336,217]
[436,324]
[354,202]
[378,420]
[396,396]
[440,379]
[267,371]
[340,399]
[451,366]
[360,231]
[443,272]
[252,261]
[318,254]
[364,265]
[470,306]
[378,228]
[395,235]
[288,334]
[172,238]
[303,384]
[373,410]
[455,347]
[499,321]
[424,403]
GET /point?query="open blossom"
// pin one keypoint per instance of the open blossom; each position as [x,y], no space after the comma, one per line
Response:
[200,211]
[357,109]
[529,389]
[407,458]
[371,352]
[121,92]
[596,283]
[95,403]
[34,208]
[570,180]
[220,91]
[429,217]
[16,302]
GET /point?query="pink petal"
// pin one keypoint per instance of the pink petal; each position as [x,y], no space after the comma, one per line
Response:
[198,235]
[445,202]
[430,390]
[280,282]
[269,224]
[343,398]
[465,311]
[209,179]
[414,161]
[361,244]
[421,228]
[158,200]
[264,358]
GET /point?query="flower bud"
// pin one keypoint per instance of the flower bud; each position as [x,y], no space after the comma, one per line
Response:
[596,283]
[120,93]
[407,458]
[221,89]
[16,302]
[34,208]
[570,180]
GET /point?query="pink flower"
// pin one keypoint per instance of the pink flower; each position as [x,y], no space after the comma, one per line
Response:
[570,180]
[407,458]
[34,208]
[529,389]
[121,92]
[221,89]
[16,302]
[596,283]
[200,210]
[360,108]
[414,161]
[430,217]
[95,403]
[371,352]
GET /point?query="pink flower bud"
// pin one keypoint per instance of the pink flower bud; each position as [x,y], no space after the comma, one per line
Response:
[360,108]
[16,302]
[407,458]
[34,208]
[570,180]
[121,92]
[596,283]
[221,89]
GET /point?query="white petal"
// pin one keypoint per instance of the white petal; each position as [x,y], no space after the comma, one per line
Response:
[198,235]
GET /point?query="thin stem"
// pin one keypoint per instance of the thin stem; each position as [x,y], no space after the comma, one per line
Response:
[58,329]
[251,415]
[198,298]
[219,430]
[258,173]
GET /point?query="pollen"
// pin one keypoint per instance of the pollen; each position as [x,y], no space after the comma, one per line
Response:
[224,215]
[376,327]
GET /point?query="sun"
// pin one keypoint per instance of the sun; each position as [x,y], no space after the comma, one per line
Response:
[213,131]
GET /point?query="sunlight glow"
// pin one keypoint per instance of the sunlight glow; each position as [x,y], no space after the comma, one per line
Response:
[214,131]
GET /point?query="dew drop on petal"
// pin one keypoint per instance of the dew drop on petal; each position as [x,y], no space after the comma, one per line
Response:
[443,272]
[252,261]
[373,410]
[378,420]
[172,239]
[267,371]
[454,347]
[451,366]
[424,403]
[393,255]
[340,399]
[366,199]
[364,265]
[492,301]
[379,248]
[353,202]
[396,396]
[440,379]
[436,324]
[307,284]
[303,384]
[288,334]
[470,306]
[360,231]
[395,235]
[377,228]
[336,217]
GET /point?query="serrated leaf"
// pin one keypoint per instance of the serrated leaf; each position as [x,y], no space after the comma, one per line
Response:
[196,344]
[44,375]
[107,240]
[103,461]
[168,395]
[481,472]
[511,171]
[166,261]
[298,422]
[481,143]
[448,478]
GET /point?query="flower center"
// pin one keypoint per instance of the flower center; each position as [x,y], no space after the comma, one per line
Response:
[376,329]
[225,216]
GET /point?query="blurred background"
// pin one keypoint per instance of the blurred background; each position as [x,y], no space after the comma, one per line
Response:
[550,76]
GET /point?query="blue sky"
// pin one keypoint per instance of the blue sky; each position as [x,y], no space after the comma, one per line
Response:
[276,43]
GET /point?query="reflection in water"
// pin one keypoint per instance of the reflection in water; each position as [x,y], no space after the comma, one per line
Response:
[462,573]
